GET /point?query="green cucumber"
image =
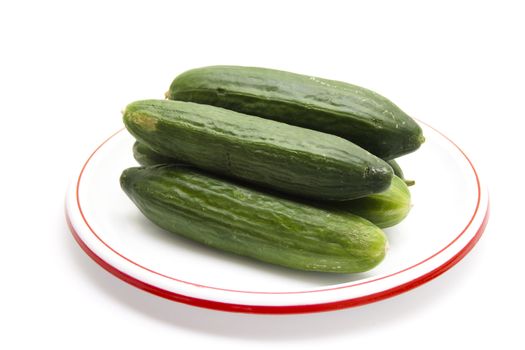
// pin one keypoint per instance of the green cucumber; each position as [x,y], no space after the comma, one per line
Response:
[384,209]
[349,111]
[396,168]
[279,156]
[241,220]
[146,156]
[399,172]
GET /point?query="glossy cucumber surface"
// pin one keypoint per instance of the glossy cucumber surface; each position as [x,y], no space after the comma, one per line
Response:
[349,111]
[384,209]
[146,156]
[279,156]
[245,221]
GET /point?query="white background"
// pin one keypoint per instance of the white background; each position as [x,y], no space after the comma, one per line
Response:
[67,69]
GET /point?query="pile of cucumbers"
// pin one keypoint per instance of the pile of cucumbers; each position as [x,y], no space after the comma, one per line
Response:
[288,169]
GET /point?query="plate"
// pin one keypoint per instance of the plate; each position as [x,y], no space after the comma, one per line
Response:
[449,213]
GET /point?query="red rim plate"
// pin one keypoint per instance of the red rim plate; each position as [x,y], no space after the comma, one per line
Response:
[282,309]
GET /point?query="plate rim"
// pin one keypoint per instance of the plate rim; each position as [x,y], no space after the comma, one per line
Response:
[281,309]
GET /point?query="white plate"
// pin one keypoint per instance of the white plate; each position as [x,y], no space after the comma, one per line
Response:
[449,214]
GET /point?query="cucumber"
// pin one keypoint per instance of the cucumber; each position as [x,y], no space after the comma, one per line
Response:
[349,111]
[279,156]
[396,168]
[399,172]
[241,220]
[384,209]
[146,156]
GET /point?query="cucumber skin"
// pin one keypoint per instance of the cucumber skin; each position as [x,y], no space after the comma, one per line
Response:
[399,172]
[146,156]
[286,158]
[244,221]
[384,209]
[349,111]
[396,168]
